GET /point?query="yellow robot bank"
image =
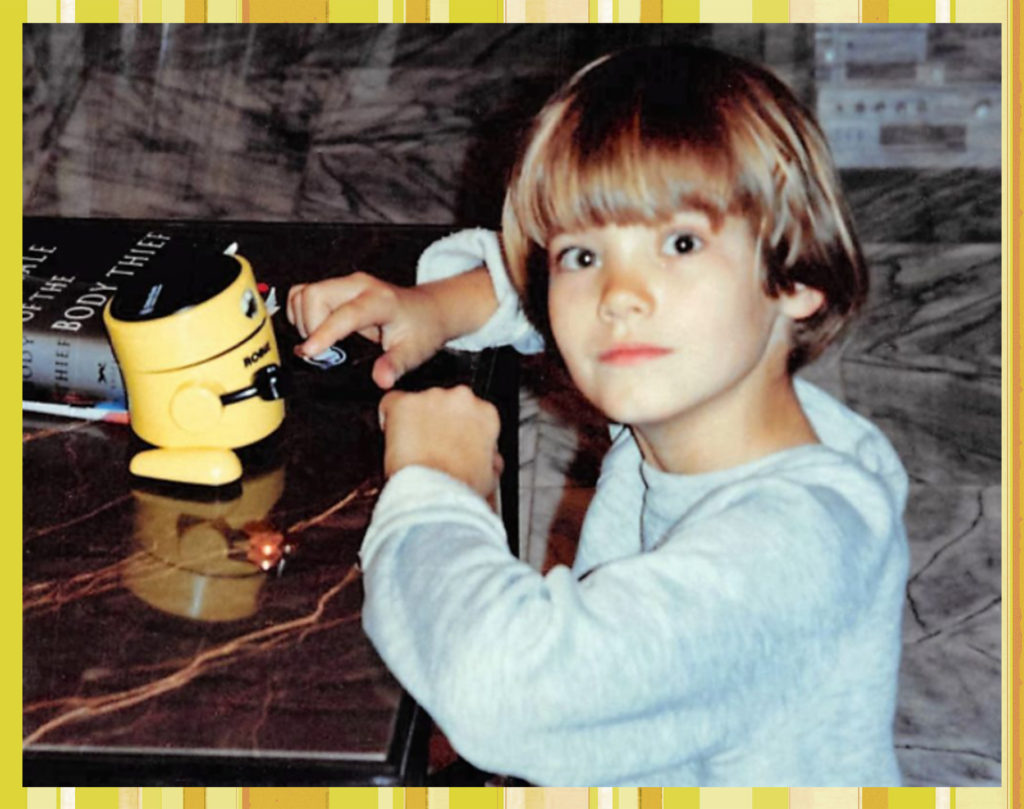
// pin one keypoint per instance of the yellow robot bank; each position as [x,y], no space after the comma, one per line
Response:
[200,365]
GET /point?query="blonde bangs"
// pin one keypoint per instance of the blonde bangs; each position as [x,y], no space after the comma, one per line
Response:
[629,179]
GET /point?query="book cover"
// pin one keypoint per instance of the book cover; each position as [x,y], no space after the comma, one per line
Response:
[70,270]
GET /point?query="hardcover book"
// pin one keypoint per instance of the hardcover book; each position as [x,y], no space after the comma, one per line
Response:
[70,270]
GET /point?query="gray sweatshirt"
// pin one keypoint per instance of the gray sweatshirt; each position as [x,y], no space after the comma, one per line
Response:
[736,628]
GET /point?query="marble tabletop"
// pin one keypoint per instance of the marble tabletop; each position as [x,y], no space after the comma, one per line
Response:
[156,650]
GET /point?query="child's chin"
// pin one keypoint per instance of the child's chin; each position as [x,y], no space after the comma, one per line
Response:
[632,402]
[635,414]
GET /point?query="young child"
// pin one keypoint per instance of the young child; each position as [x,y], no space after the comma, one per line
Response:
[674,225]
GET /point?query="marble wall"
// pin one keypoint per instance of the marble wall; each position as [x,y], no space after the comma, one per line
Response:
[419,124]
[406,123]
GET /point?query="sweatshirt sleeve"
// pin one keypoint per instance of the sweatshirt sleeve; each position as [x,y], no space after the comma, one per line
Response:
[649,662]
[466,250]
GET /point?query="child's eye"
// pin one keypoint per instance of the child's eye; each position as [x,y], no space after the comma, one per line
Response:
[576,258]
[679,244]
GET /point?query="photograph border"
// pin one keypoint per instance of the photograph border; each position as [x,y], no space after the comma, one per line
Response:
[1003,12]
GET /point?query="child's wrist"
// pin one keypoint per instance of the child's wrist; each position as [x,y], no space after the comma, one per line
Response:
[461,304]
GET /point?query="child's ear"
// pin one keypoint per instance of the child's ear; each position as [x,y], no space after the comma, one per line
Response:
[803,301]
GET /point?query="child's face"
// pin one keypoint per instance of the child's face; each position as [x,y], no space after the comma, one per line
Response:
[657,322]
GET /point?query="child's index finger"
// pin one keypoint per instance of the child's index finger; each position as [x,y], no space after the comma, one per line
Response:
[330,357]
[358,314]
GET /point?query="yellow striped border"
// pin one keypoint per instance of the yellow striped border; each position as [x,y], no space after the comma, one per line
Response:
[623,11]
[512,798]
[893,11]
[11,17]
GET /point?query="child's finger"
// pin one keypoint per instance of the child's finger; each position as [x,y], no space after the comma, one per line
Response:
[359,313]
[300,321]
[302,307]
[396,362]
[386,404]
[310,304]
[314,310]
[371,333]
[384,373]
[293,294]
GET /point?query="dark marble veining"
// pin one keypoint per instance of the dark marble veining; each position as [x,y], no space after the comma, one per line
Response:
[925,205]
[191,146]
[948,724]
[135,641]
[411,144]
[414,124]
[53,70]
[925,362]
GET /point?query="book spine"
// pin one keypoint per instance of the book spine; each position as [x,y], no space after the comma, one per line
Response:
[64,359]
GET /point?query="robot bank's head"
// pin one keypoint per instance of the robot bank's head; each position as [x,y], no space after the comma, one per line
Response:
[197,352]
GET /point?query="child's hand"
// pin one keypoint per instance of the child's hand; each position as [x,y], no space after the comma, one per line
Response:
[404,320]
[446,429]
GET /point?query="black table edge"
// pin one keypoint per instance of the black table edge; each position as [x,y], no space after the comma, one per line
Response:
[405,765]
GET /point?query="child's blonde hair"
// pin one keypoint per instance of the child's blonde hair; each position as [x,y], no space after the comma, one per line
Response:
[637,136]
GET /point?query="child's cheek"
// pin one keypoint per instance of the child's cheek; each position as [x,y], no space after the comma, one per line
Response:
[560,310]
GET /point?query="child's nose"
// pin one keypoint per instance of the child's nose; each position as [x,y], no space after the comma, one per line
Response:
[623,296]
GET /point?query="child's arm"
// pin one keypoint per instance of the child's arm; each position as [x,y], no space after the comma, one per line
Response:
[467,250]
[652,663]
[464,298]
[411,323]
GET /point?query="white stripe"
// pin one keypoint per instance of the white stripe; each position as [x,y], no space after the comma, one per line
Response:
[172,11]
[128,11]
[67,794]
[515,10]
[439,11]
[515,798]
[42,797]
[629,11]
[172,797]
[42,11]
[941,793]
[606,13]
[604,798]
[942,14]
[67,14]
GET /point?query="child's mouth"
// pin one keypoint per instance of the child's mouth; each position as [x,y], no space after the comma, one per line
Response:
[631,354]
